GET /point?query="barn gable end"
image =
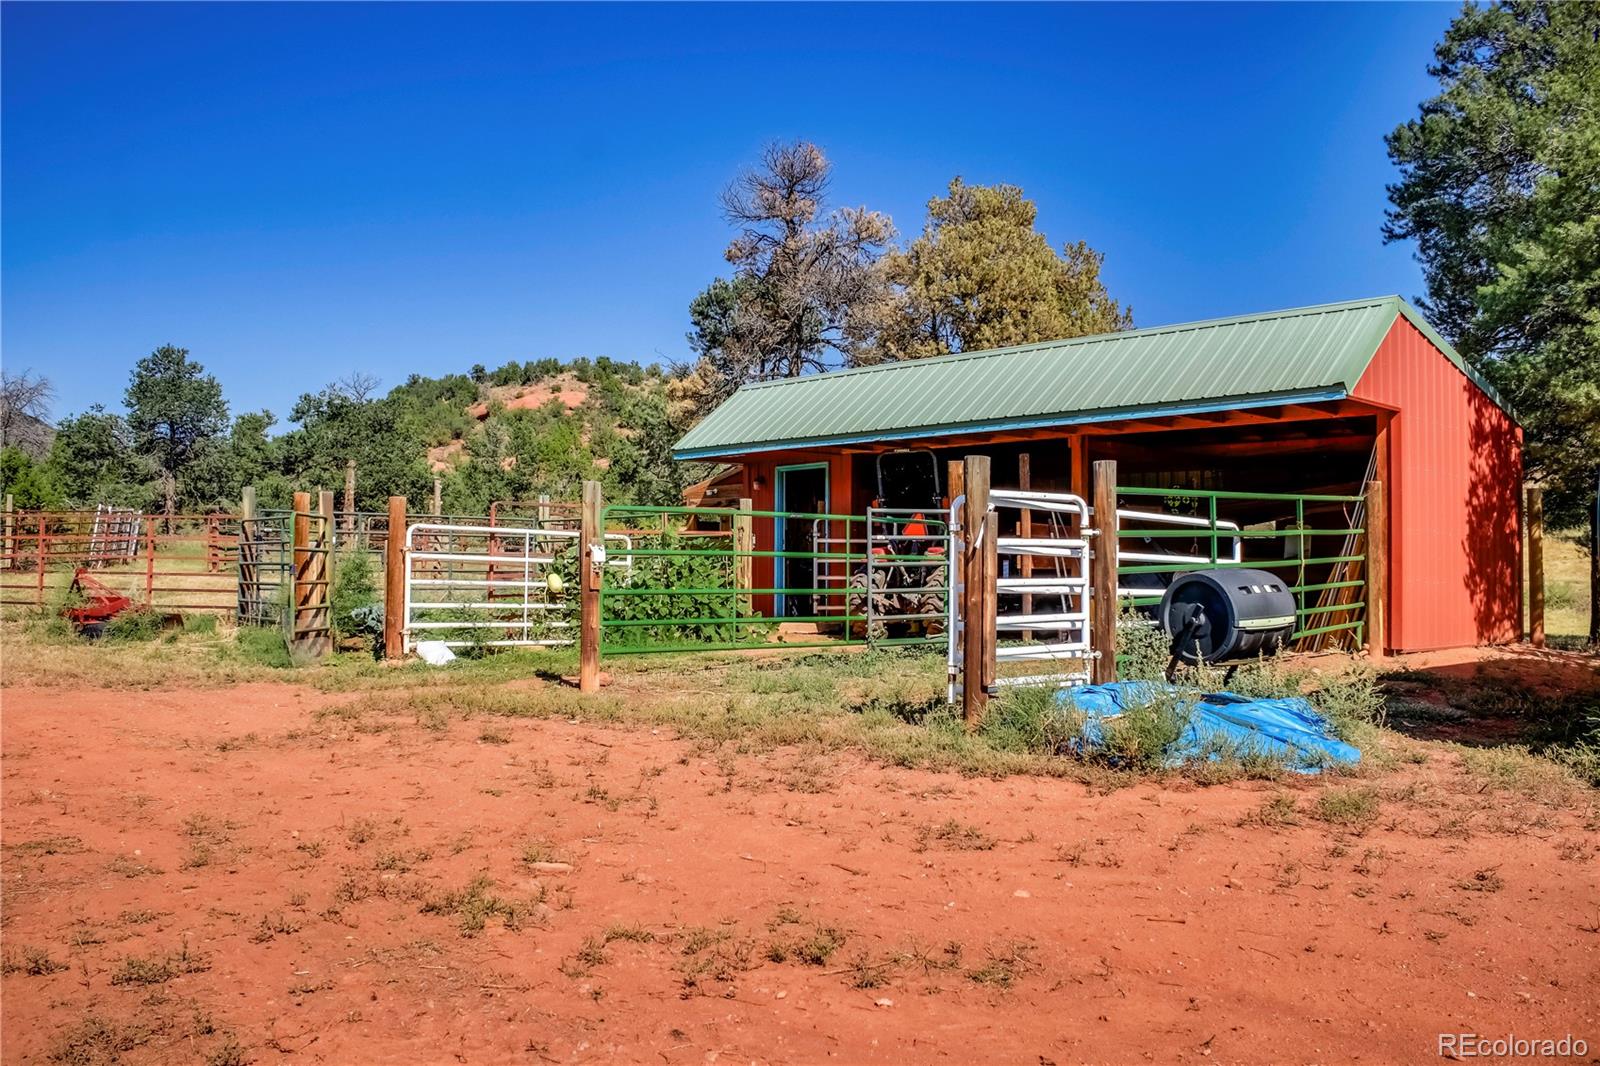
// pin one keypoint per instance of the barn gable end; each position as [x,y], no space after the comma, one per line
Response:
[1455,479]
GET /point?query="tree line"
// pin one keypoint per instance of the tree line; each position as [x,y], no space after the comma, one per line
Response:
[174,448]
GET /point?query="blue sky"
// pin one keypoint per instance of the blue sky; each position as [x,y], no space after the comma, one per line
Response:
[298,192]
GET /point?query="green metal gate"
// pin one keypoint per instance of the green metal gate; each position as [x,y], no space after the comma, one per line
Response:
[691,585]
[1315,542]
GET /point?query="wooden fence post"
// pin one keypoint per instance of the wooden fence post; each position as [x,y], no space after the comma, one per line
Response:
[1025,529]
[394,581]
[743,563]
[299,573]
[41,550]
[349,522]
[544,510]
[1536,566]
[249,535]
[149,561]
[1377,523]
[975,590]
[591,565]
[323,560]
[310,631]
[1103,575]
[438,497]
[10,559]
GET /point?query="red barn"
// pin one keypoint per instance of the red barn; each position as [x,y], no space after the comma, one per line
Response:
[1311,400]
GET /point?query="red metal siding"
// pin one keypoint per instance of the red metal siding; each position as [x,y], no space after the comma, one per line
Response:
[1455,468]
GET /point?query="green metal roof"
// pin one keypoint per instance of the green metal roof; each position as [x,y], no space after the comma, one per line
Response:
[1304,354]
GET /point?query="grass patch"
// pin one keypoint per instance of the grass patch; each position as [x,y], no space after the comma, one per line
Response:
[263,646]
[814,948]
[159,969]
[635,934]
[1350,808]
[273,926]
[1514,768]
[32,961]
[712,957]
[477,902]
[954,836]
[1276,813]
[95,1040]
[1004,966]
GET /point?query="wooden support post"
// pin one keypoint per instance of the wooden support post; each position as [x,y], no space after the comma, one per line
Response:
[955,482]
[438,497]
[544,510]
[149,561]
[744,542]
[41,550]
[1078,476]
[591,566]
[249,576]
[974,607]
[1103,575]
[1536,566]
[10,559]
[299,568]
[394,581]
[349,519]
[1025,529]
[310,631]
[1377,536]
[322,639]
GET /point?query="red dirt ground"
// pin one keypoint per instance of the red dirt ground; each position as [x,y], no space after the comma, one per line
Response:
[1150,924]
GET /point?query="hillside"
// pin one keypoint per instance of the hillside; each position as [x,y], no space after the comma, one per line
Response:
[542,427]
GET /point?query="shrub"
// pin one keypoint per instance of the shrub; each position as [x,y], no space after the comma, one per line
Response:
[1140,736]
[354,587]
[1142,648]
[1026,719]
[135,624]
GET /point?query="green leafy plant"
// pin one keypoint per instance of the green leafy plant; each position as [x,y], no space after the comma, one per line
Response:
[135,624]
[691,598]
[354,588]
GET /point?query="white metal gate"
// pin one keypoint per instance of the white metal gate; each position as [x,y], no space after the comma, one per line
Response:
[1041,588]
[493,586]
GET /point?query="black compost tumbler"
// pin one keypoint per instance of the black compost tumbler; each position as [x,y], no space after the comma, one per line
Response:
[1215,616]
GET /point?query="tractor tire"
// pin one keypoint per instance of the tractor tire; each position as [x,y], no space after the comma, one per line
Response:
[931,600]
[856,603]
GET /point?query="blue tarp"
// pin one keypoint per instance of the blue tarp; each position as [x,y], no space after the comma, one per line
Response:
[1221,724]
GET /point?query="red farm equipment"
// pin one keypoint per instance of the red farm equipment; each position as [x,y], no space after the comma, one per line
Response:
[906,570]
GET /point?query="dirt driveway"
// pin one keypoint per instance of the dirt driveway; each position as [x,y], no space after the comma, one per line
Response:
[223,876]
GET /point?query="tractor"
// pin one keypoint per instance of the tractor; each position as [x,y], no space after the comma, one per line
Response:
[907,576]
